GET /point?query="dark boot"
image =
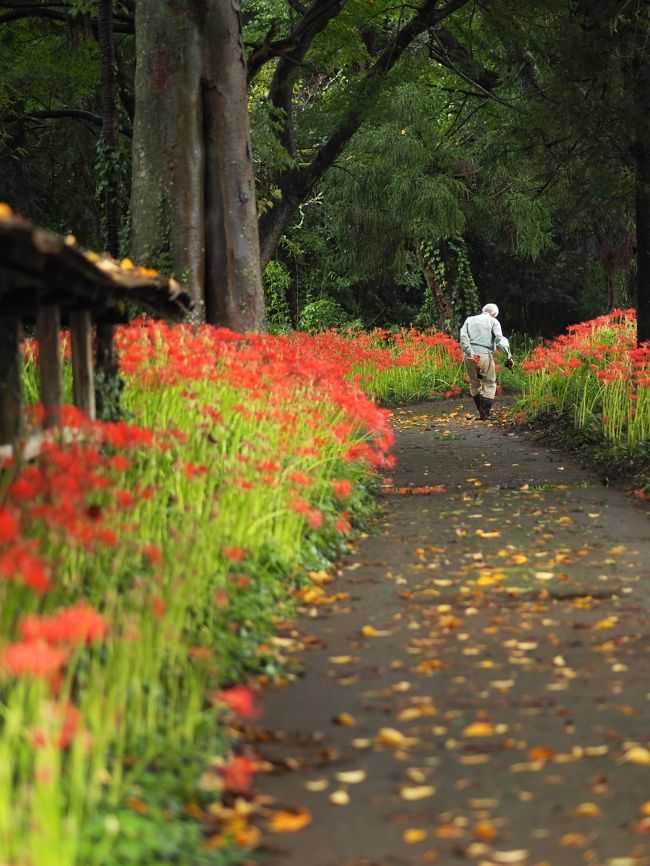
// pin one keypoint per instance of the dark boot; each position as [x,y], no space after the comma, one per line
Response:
[485,407]
[477,400]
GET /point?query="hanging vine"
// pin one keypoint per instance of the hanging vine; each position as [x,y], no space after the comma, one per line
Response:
[451,293]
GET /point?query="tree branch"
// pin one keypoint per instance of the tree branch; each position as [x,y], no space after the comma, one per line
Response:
[297,183]
[74,114]
[314,20]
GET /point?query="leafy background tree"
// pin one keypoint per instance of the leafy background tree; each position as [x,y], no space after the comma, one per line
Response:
[411,161]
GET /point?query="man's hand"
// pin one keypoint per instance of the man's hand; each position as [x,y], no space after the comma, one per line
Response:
[510,363]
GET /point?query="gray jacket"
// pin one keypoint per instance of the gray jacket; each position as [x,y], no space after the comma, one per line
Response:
[481,335]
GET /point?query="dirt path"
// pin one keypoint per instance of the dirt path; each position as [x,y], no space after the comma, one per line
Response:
[492,664]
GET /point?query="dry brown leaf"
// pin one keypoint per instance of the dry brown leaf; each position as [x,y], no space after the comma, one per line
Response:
[448,831]
[573,840]
[289,822]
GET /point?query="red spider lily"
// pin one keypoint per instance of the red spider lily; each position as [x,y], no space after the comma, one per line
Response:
[241,700]
[343,525]
[235,554]
[8,526]
[73,625]
[153,554]
[21,562]
[158,607]
[313,516]
[35,658]
[237,775]
[300,478]
[342,488]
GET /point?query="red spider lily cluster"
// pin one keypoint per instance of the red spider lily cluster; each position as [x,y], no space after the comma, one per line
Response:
[223,421]
[595,370]
[606,340]
[270,369]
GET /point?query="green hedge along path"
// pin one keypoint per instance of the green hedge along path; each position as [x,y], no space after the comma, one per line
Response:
[482,695]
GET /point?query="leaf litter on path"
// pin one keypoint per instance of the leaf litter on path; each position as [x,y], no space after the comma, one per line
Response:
[499,716]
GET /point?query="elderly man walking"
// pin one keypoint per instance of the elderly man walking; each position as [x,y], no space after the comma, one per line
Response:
[480,336]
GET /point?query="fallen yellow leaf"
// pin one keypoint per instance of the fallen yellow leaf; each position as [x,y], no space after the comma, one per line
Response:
[347,720]
[289,822]
[609,622]
[391,737]
[371,631]
[637,755]
[416,792]
[492,533]
[248,837]
[479,729]
[339,798]
[412,836]
[515,856]
[351,777]
[342,660]
[485,831]
[317,784]
[587,810]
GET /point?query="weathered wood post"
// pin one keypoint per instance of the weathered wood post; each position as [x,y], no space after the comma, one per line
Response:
[83,379]
[11,392]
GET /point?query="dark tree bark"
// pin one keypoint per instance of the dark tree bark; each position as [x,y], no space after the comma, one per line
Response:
[109,122]
[167,197]
[643,242]
[233,281]
[193,202]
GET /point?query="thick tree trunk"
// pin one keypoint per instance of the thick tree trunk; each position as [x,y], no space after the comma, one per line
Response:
[643,242]
[109,121]
[167,201]
[193,200]
[233,281]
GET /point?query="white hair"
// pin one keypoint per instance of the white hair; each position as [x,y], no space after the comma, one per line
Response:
[492,309]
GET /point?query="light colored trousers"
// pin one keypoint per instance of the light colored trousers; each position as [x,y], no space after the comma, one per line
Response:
[486,386]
